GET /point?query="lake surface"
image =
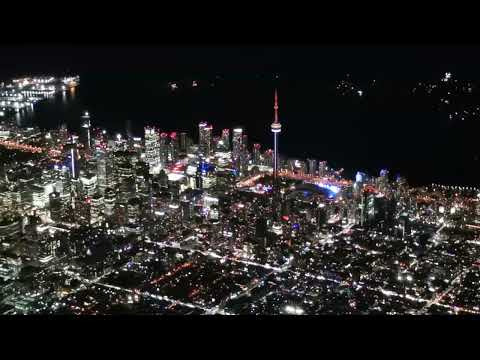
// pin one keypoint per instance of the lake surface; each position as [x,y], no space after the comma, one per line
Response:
[381,129]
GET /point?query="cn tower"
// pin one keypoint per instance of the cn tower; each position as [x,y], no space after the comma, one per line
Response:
[276,128]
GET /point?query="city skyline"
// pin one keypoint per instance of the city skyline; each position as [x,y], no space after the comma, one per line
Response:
[175,194]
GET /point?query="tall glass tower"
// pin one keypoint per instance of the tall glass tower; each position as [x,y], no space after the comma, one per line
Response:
[152,149]
[86,131]
[205,138]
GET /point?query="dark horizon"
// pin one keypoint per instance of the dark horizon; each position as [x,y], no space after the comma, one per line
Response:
[388,62]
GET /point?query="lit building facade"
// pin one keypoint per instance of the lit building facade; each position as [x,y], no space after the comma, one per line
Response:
[312,166]
[237,147]
[205,138]
[152,149]
[256,158]
[86,132]
[225,140]
[89,184]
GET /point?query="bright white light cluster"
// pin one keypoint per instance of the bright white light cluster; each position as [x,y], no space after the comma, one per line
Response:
[294,310]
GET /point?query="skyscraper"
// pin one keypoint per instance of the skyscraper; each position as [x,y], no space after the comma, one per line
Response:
[322,168]
[164,150]
[244,156]
[205,138]
[152,149]
[109,202]
[174,146]
[86,136]
[63,186]
[183,142]
[256,154]
[268,158]
[225,139]
[245,141]
[312,166]
[71,147]
[96,208]
[63,133]
[358,185]
[55,203]
[237,146]
[89,183]
[136,145]
[101,157]
[134,210]
[276,129]
[382,181]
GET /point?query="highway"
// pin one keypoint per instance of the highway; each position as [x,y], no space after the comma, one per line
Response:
[13,145]
[161,298]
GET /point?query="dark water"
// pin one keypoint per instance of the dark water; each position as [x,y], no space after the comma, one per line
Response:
[382,129]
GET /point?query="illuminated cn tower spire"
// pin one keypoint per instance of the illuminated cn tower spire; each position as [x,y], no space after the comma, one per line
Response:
[276,129]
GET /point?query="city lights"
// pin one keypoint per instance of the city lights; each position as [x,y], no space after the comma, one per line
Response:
[212,221]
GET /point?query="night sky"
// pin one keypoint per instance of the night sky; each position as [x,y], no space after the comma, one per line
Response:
[394,62]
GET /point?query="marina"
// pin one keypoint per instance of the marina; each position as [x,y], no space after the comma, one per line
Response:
[22,93]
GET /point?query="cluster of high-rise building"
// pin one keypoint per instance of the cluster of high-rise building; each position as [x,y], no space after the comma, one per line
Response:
[93,179]
[94,206]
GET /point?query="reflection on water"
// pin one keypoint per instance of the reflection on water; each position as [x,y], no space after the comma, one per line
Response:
[18,118]
[52,111]
[72,92]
